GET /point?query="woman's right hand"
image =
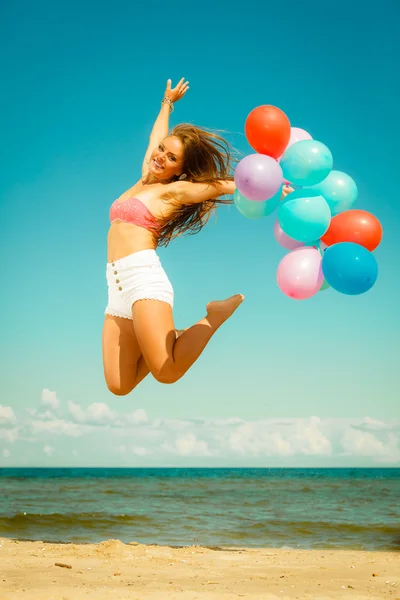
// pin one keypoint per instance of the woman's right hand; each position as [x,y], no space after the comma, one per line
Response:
[177,92]
[286,190]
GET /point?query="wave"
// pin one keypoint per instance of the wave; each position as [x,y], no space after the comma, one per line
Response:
[89,520]
[310,527]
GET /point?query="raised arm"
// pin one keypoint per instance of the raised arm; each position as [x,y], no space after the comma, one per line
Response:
[160,127]
[188,193]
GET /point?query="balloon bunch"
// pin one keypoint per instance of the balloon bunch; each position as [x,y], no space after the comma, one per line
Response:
[330,242]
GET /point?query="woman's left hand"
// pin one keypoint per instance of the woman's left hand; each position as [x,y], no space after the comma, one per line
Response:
[286,190]
[178,91]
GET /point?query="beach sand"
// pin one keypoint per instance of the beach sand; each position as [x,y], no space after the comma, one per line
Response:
[136,571]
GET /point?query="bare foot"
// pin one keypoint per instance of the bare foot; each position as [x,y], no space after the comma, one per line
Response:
[219,311]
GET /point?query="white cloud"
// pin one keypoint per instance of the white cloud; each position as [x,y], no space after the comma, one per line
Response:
[363,443]
[6,453]
[7,415]
[76,411]
[172,424]
[254,439]
[47,415]
[139,451]
[59,427]
[218,423]
[137,417]
[309,439]
[373,423]
[188,445]
[50,399]
[100,414]
[273,437]
[230,440]
[313,437]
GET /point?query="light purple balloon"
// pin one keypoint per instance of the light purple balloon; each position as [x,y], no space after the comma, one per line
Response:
[284,240]
[258,177]
[299,274]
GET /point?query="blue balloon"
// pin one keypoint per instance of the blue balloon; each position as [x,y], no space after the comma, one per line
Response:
[256,210]
[339,190]
[306,162]
[304,215]
[349,268]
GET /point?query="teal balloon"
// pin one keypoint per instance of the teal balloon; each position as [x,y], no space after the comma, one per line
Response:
[339,190]
[304,215]
[307,162]
[256,210]
[324,286]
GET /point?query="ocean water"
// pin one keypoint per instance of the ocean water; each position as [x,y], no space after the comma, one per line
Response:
[291,508]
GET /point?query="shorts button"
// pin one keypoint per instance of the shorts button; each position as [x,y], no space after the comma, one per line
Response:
[117,280]
[120,288]
[113,264]
[115,272]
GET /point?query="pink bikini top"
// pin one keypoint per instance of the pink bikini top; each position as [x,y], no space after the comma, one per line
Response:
[133,211]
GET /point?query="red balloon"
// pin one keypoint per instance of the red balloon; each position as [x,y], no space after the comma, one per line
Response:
[358,226]
[268,130]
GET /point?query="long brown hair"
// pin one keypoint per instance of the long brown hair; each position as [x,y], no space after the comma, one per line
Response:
[207,158]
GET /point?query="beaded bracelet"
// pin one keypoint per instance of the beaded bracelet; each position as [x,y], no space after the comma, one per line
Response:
[168,101]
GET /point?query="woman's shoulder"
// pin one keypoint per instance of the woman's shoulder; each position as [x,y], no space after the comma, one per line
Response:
[151,195]
[129,192]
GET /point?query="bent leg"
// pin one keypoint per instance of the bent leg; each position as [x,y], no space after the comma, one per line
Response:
[123,370]
[124,366]
[167,356]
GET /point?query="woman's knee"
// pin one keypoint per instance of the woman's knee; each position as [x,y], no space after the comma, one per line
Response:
[118,388]
[166,373]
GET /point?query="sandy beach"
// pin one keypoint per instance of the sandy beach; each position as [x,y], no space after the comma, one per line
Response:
[135,571]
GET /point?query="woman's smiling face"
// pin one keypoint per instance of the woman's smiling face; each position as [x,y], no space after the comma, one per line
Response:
[166,161]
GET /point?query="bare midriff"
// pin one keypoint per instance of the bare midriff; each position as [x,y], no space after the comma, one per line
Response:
[125,239]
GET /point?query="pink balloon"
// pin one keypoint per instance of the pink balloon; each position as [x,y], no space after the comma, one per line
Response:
[296,135]
[299,273]
[284,240]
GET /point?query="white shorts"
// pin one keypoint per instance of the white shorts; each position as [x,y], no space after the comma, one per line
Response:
[138,276]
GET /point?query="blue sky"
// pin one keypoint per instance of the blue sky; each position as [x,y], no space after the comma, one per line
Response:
[83,85]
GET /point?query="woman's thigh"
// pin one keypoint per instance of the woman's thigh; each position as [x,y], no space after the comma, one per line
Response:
[155,333]
[121,353]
